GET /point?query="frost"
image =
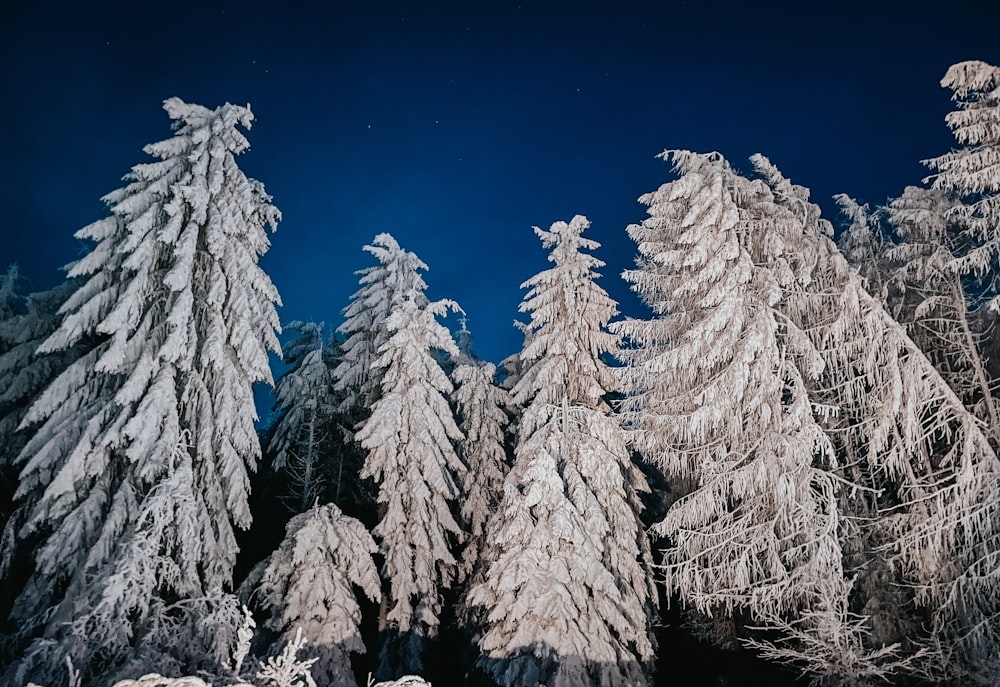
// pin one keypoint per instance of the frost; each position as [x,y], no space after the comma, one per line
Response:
[135,469]
[410,440]
[566,586]
[308,584]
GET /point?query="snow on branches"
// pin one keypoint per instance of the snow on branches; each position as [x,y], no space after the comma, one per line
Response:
[718,395]
[137,464]
[566,593]
[410,439]
[973,171]
[308,585]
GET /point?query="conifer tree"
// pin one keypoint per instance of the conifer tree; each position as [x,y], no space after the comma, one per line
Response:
[12,293]
[907,438]
[947,322]
[14,355]
[717,395]
[23,376]
[307,586]
[135,474]
[302,440]
[483,411]
[383,287]
[566,592]
[971,172]
[864,244]
[410,440]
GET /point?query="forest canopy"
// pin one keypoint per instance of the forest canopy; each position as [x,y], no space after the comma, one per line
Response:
[791,454]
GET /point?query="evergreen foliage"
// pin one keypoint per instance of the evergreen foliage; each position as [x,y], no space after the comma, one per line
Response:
[410,439]
[384,286]
[303,440]
[972,172]
[483,410]
[307,586]
[826,418]
[135,473]
[906,437]
[567,592]
[717,388]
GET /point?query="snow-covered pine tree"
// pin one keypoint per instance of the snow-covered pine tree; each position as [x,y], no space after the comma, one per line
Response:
[907,437]
[463,340]
[972,172]
[410,440]
[482,409]
[136,469]
[13,297]
[863,243]
[717,396]
[383,287]
[13,290]
[23,376]
[301,441]
[948,324]
[567,593]
[308,585]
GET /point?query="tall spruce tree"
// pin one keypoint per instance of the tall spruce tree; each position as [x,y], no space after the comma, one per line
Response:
[308,584]
[410,439]
[864,244]
[567,593]
[717,396]
[383,287]
[136,471]
[482,409]
[303,439]
[13,291]
[942,314]
[971,172]
[926,477]
[23,376]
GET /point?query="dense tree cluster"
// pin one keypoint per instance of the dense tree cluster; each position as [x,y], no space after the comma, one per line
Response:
[816,408]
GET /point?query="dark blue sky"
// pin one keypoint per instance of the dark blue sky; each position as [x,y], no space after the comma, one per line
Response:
[458,126]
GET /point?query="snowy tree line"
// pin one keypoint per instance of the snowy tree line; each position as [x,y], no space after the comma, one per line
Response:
[796,445]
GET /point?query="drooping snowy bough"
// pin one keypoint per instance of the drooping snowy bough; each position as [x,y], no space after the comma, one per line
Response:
[820,443]
[567,591]
[410,440]
[135,474]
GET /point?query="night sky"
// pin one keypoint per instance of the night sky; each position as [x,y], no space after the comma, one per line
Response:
[458,126]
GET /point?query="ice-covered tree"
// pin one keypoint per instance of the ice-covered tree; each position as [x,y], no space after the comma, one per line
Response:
[17,344]
[309,583]
[23,376]
[908,440]
[863,243]
[717,395]
[384,286]
[410,440]
[972,172]
[940,315]
[302,440]
[566,594]
[482,409]
[463,339]
[137,466]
